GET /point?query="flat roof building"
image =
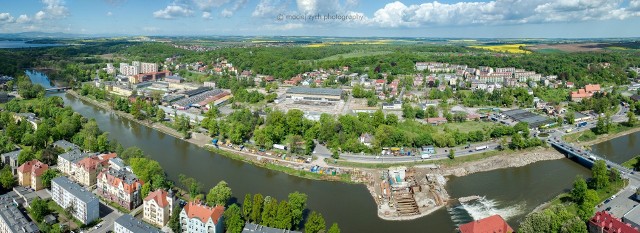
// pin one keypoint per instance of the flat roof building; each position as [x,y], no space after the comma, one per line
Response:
[255,228]
[314,94]
[67,193]
[11,218]
[128,224]
[534,120]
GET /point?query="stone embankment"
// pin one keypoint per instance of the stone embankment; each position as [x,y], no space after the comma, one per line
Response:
[506,160]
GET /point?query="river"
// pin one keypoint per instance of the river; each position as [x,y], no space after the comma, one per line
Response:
[38,77]
[619,149]
[11,44]
[512,192]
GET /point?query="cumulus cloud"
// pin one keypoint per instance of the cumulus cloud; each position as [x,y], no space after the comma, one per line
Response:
[206,15]
[269,8]
[40,15]
[172,12]
[109,13]
[397,14]
[318,6]
[6,18]
[55,9]
[23,19]
[228,12]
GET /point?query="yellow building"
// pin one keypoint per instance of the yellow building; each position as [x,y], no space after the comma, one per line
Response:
[30,174]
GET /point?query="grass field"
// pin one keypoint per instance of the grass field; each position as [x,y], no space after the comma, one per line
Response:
[505,48]
[357,42]
[629,163]
[354,54]
[467,126]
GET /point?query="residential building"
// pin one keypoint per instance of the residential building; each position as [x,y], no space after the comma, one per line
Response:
[158,206]
[65,145]
[86,170]
[110,69]
[128,224]
[395,105]
[11,218]
[255,228]
[437,120]
[30,174]
[148,67]
[120,186]
[585,92]
[632,217]
[67,161]
[4,97]
[11,159]
[366,139]
[29,117]
[604,222]
[198,218]
[128,70]
[494,223]
[68,194]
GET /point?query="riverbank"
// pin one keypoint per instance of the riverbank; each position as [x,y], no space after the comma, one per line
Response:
[600,138]
[350,175]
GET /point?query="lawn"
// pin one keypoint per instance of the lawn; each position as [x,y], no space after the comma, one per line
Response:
[505,48]
[63,216]
[467,126]
[630,163]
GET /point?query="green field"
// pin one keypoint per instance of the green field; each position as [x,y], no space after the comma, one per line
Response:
[547,51]
[629,163]
[468,126]
[354,54]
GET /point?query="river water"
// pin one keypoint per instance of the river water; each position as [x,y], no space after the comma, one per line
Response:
[619,149]
[38,77]
[511,192]
[8,44]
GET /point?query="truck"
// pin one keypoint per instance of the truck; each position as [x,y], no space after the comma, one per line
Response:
[425,155]
[580,124]
[481,148]
[281,147]
[569,130]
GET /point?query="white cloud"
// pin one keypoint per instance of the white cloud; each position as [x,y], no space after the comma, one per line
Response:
[206,15]
[23,19]
[318,6]
[228,12]
[207,5]
[284,27]
[269,8]
[150,29]
[109,13]
[55,9]
[6,18]
[40,15]
[397,14]
[172,12]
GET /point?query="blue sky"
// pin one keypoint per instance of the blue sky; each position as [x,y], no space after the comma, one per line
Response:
[402,18]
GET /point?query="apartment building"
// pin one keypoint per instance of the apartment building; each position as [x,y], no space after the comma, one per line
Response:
[30,174]
[158,206]
[198,218]
[69,194]
[67,161]
[86,170]
[128,70]
[128,224]
[148,67]
[120,186]
[11,218]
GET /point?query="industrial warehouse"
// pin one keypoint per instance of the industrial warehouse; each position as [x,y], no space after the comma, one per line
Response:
[534,120]
[314,94]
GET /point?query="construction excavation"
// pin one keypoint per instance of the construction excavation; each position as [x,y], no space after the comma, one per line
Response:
[403,193]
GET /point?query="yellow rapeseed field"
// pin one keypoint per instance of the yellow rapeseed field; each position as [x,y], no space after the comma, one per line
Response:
[505,48]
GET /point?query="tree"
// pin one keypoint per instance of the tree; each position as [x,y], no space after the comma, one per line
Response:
[146,188]
[334,228]
[145,168]
[256,211]
[570,117]
[574,225]
[174,221]
[38,209]
[25,155]
[579,190]
[233,219]
[315,223]
[601,126]
[298,202]
[392,119]
[47,176]
[452,154]
[131,152]
[160,115]
[517,142]
[600,175]
[614,175]
[283,216]
[246,206]
[537,222]
[586,209]
[631,119]
[270,212]
[219,194]
[6,177]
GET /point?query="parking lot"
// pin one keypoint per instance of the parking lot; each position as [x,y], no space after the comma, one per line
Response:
[621,203]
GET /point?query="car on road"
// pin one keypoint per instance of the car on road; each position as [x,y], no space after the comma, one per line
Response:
[607,201]
[608,208]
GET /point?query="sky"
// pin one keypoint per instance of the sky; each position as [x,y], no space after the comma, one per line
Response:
[333,18]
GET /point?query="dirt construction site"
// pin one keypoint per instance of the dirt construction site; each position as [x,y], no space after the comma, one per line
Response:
[407,193]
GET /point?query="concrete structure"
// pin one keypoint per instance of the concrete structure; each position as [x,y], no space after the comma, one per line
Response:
[198,218]
[86,170]
[29,117]
[255,228]
[68,194]
[11,158]
[65,145]
[148,67]
[314,94]
[120,186]
[30,174]
[534,120]
[632,217]
[128,70]
[158,206]
[67,161]
[603,222]
[494,223]
[11,218]
[128,224]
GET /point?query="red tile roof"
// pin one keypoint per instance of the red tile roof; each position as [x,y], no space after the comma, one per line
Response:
[203,212]
[91,163]
[34,167]
[160,196]
[493,224]
[610,223]
[592,87]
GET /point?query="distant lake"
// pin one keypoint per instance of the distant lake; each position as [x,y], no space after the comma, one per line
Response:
[7,44]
